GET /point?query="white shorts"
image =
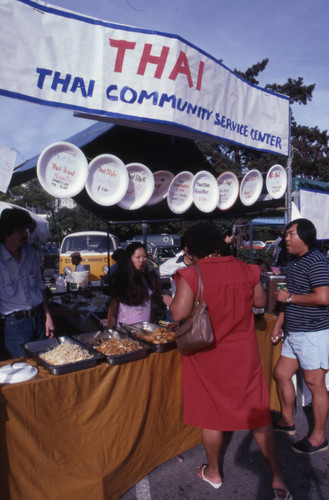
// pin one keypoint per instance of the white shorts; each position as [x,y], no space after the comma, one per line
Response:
[311,349]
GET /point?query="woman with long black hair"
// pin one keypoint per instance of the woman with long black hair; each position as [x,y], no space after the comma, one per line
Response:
[132,288]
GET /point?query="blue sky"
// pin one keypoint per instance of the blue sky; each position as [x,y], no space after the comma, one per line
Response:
[292,34]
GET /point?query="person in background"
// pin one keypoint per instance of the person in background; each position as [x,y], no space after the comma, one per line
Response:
[132,288]
[76,261]
[170,267]
[224,388]
[117,256]
[230,240]
[305,322]
[264,266]
[23,301]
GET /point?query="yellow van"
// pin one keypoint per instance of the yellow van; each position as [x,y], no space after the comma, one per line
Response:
[95,247]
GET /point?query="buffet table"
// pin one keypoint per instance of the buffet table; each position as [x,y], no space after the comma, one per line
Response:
[93,434]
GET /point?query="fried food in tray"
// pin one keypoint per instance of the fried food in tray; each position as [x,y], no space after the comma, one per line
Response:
[159,336]
[113,346]
[117,346]
[162,339]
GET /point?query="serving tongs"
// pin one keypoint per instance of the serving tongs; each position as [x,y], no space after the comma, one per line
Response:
[133,328]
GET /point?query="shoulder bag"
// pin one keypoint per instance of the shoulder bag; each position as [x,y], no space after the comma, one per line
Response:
[195,332]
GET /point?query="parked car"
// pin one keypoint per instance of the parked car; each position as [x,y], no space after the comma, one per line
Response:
[49,254]
[93,247]
[160,240]
[256,245]
[162,253]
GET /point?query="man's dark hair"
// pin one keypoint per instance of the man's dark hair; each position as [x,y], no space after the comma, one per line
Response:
[306,231]
[12,219]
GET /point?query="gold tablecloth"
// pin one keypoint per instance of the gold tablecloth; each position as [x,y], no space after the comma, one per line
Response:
[93,434]
[269,354]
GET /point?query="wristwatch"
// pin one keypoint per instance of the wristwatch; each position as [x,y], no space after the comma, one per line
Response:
[289,298]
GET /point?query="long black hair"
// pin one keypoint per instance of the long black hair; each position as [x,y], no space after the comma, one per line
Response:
[130,286]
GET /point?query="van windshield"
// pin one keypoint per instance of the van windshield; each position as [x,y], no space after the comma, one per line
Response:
[86,243]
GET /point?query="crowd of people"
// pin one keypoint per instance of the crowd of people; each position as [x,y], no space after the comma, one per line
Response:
[224,388]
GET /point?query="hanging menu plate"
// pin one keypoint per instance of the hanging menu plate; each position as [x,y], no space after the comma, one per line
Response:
[205,191]
[162,180]
[108,180]
[228,185]
[276,181]
[62,170]
[251,187]
[180,194]
[140,188]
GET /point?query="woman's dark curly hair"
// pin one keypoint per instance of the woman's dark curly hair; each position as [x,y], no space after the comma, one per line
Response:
[128,285]
[204,239]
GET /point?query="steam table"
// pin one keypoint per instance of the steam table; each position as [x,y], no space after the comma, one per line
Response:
[93,434]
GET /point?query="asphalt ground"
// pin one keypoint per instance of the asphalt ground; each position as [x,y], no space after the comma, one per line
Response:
[245,473]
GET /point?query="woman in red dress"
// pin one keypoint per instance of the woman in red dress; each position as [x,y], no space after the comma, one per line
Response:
[224,386]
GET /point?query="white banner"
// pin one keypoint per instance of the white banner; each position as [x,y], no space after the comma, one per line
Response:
[314,205]
[59,58]
[7,163]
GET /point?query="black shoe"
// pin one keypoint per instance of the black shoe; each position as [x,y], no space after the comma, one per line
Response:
[306,447]
[289,429]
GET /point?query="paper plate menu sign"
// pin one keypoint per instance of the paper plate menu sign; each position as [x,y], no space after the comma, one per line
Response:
[251,187]
[205,191]
[62,170]
[276,181]
[180,194]
[162,180]
[140,188]
[228,186]
[107,180]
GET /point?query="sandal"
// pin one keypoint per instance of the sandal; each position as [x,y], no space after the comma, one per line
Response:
[282,494]
[203,477]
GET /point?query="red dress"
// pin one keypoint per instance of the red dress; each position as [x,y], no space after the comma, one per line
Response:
[224,387]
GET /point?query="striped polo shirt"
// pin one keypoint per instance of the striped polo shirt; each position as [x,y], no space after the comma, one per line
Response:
[303,275]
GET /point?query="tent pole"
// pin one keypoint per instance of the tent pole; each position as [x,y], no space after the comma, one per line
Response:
[288,212]
[144,227]
[251,242]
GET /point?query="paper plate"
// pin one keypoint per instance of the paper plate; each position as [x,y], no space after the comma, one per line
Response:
[162,180]
[62,169]
[251,187]
[205,191]
[108,180]
[276,181]
[228,185]
[17,372]
[140,188]
[180,193]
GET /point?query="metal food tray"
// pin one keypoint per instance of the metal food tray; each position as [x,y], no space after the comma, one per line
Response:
[88,339]
[34,349]
[145,327]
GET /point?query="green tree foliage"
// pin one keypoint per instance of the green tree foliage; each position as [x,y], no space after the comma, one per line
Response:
[32,196]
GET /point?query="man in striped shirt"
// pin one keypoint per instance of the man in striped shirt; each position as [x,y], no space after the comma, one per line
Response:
[305,322]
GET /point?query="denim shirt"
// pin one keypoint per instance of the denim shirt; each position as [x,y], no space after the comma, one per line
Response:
[20,282]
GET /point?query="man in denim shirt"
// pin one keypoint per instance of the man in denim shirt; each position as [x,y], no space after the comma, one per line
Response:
[23,302]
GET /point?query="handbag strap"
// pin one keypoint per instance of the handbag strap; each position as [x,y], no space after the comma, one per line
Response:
[199,297]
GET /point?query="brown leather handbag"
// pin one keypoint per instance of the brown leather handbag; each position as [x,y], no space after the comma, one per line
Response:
[195,332]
